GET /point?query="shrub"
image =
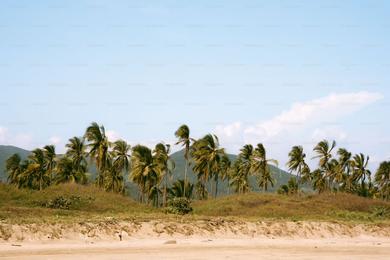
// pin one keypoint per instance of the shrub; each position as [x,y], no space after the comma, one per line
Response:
[180,206]
[62,202]
[380,212]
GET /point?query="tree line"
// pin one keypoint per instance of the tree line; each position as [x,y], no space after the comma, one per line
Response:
[152,169]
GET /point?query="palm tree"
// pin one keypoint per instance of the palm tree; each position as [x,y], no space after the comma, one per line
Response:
[67,172]
[382,179]
[344,169]
[241,169]
[297,164]
[114,180]
[164,165]
[239,180]
[360,170]
[206,155]
[13,168]
[225,169]
[179,191]
[183,134]
[114,175]
[76,151]
[121,155]
[324,153]
[319,181]
[99,144]
[260,167]
[144,171]
[154,195]
[50,159]
[36,172]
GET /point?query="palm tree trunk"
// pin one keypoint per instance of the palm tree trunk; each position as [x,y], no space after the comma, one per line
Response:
[216,186]
[40,183]
[185,176]
[228,186]
[165,192]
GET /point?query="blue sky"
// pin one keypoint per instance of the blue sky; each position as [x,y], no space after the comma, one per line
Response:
[278,72]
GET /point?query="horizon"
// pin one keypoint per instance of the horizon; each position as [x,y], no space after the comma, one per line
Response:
[277,73]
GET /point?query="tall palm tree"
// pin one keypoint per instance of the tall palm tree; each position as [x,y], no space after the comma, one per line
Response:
[50,159]
[183,134]
[114,175]
[344,169]
[319,181]
[260,167]
[36,172]
[67,172]
[99,145]
[154,195]
[206,155]
[324,154]
[114,180]
[76,151]
[143,169]
[382,179]
[121,155]
[298,164]
[225,169]
[164,165]
[241,169]
[13,168]
[360,171]
[177,190]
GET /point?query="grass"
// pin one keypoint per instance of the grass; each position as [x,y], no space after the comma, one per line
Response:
[88,203]
[322,207]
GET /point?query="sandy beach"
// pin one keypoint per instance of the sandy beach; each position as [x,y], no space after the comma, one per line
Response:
[195,248]
[196,240]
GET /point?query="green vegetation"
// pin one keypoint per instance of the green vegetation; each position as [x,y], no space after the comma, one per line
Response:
[317,207]
[75,203]
[69,202]
[180,206]
[152,170]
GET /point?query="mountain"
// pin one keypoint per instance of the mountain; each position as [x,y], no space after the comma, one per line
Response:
[5,152]
[281,177]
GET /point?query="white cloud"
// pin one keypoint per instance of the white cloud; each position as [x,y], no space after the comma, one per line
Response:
[22,140]
[55,140]
[299,118]
[329,133]
[113,135]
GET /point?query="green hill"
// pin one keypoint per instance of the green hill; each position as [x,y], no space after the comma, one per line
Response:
[5,152]
[281,177]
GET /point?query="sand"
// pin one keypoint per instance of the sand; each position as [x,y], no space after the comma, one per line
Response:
[212,239]
[279,248]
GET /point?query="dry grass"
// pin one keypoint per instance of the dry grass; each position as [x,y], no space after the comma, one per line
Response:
[92,204]
[327,207]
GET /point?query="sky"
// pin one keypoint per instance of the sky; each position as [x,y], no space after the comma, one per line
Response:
[279,72]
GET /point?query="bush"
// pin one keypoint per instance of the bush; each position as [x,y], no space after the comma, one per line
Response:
[61,202]
[380,212]
[180,206]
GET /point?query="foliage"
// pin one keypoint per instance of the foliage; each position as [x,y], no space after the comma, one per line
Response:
[179,206]
[181,190]
[290,188]
[151,170]
[61,202]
